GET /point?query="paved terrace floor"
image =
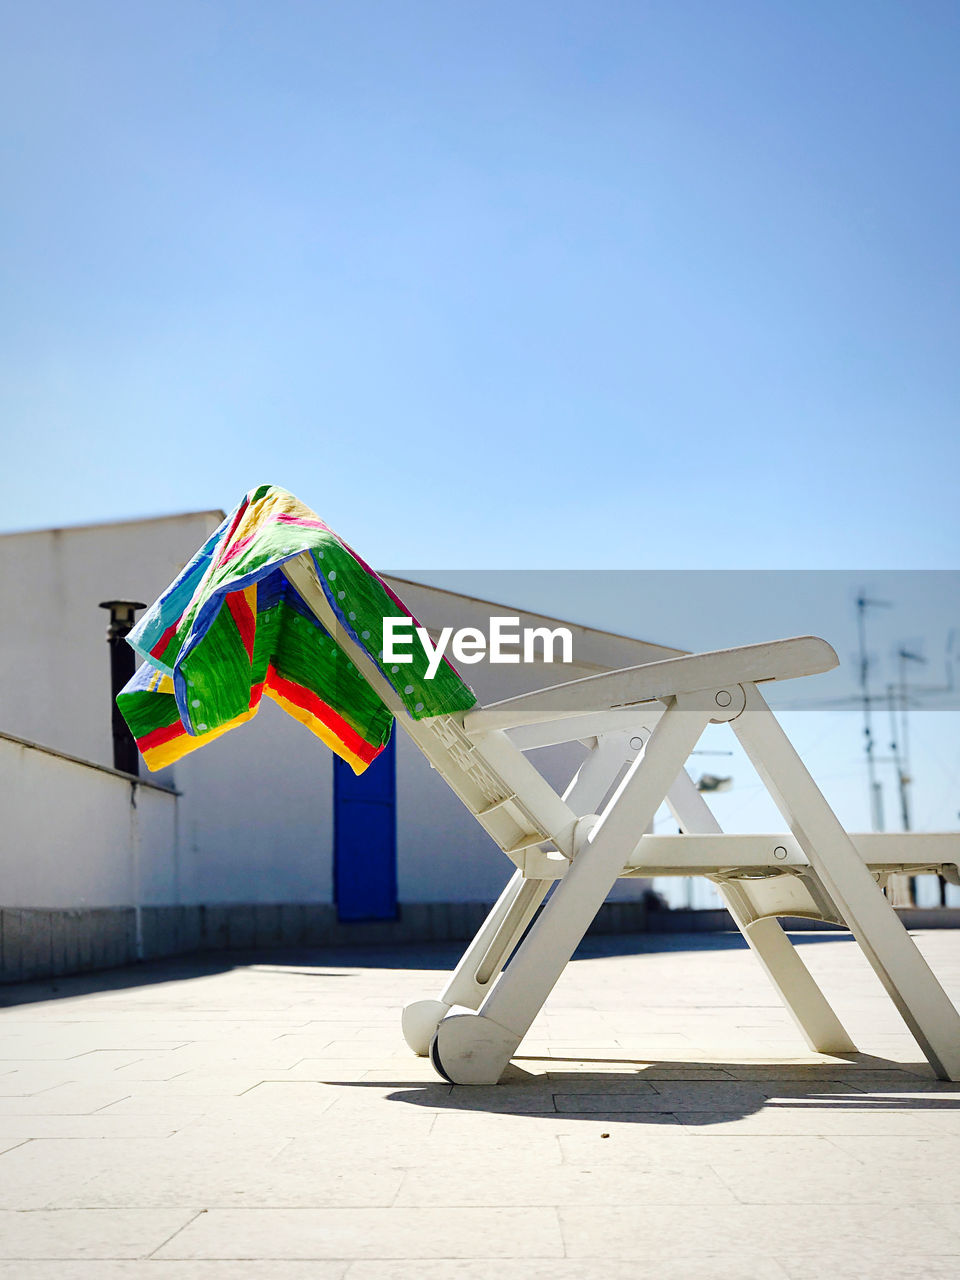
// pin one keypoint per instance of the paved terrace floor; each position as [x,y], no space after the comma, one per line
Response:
[264,1121]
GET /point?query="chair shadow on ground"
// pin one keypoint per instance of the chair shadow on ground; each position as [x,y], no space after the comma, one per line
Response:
[793,1097]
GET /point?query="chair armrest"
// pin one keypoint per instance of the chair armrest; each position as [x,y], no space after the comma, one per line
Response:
[752,663]
[582,726]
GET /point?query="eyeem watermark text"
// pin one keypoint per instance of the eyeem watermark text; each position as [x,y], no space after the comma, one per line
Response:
[507,642]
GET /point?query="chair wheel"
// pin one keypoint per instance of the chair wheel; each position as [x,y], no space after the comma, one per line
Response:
[419,1023]
[436,1059]
[475,1050]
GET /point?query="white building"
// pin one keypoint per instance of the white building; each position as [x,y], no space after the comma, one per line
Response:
[249,841]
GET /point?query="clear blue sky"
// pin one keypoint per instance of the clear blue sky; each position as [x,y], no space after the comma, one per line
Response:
[526,284]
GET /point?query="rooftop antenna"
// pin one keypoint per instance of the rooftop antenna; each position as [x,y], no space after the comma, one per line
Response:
[901,744]
[907,696]
[873,782]
[899,702]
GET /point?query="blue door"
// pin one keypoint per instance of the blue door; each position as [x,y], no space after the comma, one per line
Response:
[365,838]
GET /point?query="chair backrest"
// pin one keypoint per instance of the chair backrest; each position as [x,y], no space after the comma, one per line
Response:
[507,795]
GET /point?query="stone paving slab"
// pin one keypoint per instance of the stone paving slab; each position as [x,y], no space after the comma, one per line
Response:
[261,1117]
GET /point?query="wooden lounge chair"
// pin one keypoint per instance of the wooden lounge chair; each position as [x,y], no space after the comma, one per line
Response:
[580,842]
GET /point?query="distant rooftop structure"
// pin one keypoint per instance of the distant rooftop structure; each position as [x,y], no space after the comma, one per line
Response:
[91,526]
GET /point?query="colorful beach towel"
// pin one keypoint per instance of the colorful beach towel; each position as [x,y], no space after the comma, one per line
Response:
[232,628]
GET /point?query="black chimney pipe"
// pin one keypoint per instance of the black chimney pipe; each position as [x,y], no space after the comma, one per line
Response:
[123,663]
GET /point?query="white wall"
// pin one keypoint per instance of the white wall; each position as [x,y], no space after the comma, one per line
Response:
[256,811]
[257,814]
[54,658]
[74,835]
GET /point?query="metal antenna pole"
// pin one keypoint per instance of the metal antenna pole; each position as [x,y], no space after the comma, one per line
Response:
[875,786]
[895,704]
[904,656]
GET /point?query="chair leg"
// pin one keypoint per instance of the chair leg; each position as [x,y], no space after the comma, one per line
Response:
[805,1002]
[901,968]
[499,934]
[482,961]
[475,1048]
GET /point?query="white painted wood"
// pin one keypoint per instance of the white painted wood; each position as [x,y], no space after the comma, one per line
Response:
[891,951]
[779,959]
[503,928]
[471,1049]
[519,995]
[777,660]
[528,819]
[578,728]
[733,854]
[419,1021]
[481,963]
[593,779]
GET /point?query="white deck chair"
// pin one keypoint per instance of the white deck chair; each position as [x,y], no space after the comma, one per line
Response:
[652,716]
